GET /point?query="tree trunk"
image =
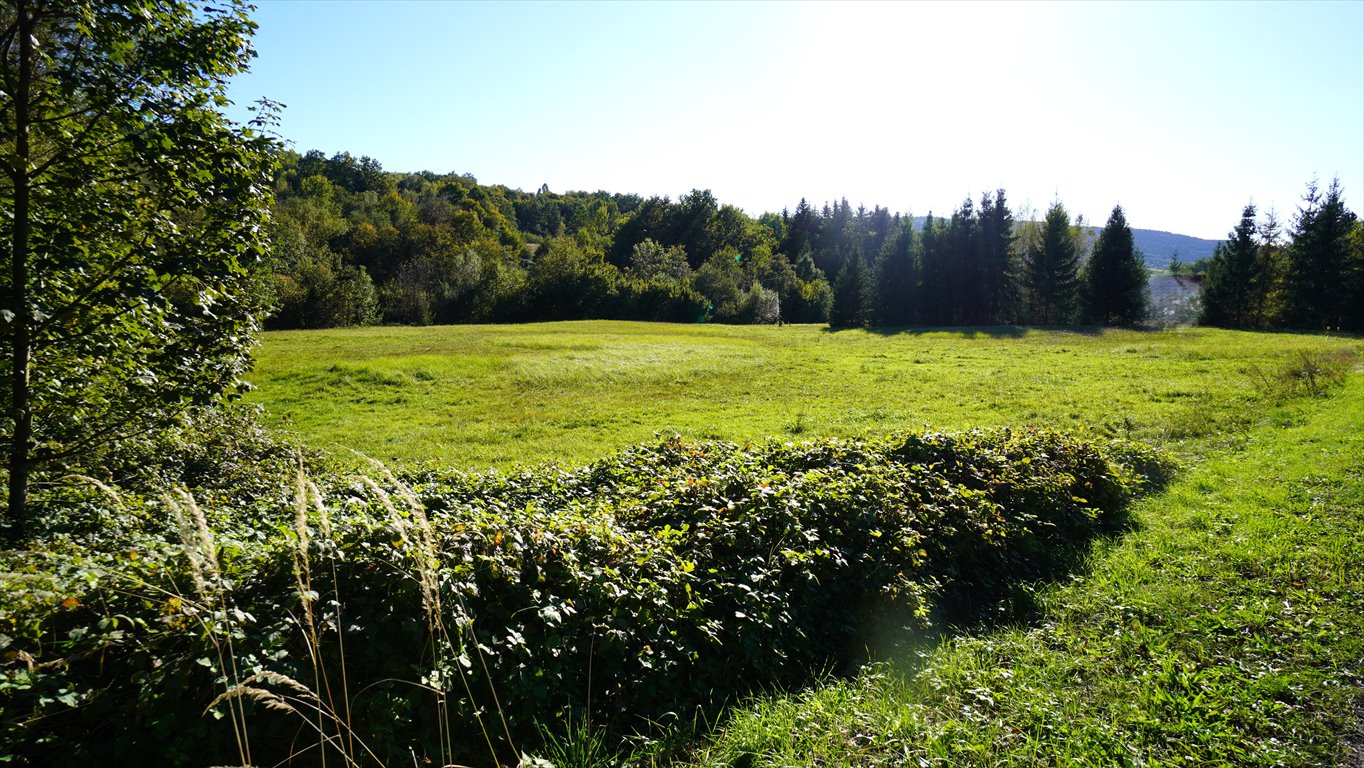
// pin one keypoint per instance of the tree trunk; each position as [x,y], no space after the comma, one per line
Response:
[21,408]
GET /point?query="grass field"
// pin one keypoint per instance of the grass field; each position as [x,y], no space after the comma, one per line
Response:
[494,396]
[1224,630]
[1227,630]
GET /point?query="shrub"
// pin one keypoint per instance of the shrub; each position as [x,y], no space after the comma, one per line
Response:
[428,609]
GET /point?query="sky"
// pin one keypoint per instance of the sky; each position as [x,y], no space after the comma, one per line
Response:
[1180,112]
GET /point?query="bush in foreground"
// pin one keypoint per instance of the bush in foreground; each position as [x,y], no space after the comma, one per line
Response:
[443,615]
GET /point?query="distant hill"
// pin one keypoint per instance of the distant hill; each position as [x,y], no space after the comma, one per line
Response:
[1159,246]
[1156,245]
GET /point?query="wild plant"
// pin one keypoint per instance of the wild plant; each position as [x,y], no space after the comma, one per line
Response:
[447,651]
[1310,373]
[325,705]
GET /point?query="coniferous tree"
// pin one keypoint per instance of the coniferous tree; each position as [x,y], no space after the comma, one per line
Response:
[897,278]
[995,239]
[880,226]
[1272,256]
[801,229]
[1314,292]
[1354,279]
[1115,280]
[851,292]
[1053,271]
[961,268]
[1236,278]
[934,303]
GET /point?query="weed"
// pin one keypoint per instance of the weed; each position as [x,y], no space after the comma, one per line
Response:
[1308,373]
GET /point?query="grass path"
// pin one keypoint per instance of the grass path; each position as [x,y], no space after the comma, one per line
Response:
[1228,630]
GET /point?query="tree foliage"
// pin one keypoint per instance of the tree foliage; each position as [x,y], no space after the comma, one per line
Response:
[1236,278]
[1052,270]
[852,295]
[695,258]
[136,208]
[1316,283]
[1115,278]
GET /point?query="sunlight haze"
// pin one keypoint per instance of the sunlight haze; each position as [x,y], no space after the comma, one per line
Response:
[1182,113]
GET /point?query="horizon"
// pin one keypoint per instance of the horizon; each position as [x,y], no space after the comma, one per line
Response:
[910,106]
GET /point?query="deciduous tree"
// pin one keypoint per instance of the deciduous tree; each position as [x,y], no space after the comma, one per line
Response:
[134,207]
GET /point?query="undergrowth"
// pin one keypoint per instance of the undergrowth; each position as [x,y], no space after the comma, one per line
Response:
[468,618]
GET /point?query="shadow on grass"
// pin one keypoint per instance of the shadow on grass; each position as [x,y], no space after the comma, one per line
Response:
[990,331]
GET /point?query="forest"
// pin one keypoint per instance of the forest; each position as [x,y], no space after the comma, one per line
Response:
[355,245]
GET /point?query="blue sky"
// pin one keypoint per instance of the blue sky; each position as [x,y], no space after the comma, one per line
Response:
[1180,112]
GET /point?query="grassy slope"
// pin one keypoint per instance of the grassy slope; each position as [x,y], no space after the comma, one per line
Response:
[1229,630]
[479,396]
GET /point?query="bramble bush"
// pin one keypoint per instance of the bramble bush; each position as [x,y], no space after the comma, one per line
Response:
[445,614]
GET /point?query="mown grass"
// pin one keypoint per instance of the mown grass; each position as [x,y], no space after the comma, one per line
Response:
[495,396]
[1228,630]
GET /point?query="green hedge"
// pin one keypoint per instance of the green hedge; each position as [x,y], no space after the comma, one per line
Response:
[670,576]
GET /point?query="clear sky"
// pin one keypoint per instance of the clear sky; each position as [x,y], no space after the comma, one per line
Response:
[1180,112]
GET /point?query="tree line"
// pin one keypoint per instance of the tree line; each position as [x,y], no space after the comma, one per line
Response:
[355,245]
[1313,279]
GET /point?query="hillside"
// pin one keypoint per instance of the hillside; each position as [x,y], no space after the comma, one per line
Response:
[1159,246]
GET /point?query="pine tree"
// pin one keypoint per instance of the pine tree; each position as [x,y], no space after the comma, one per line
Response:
[851,291]
[1115,279]
[1354,279]
[897,278]
[995,239]
[1053,271]
[1236,278]
[1315,293]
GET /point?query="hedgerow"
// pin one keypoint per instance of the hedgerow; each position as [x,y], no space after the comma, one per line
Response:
[443,615]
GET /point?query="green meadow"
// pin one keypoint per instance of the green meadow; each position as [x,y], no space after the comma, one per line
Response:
[497,396]
[745,596]
[1226,629]
[1222,630]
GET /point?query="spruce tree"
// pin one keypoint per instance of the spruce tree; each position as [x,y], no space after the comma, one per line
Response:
[1354,279]
[995,240]
[1052,271]
[1236,278]
[935,273]
[850,295]
[897,278]
[961,266]
[1274,263]
[1115,281]
[1314,291]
